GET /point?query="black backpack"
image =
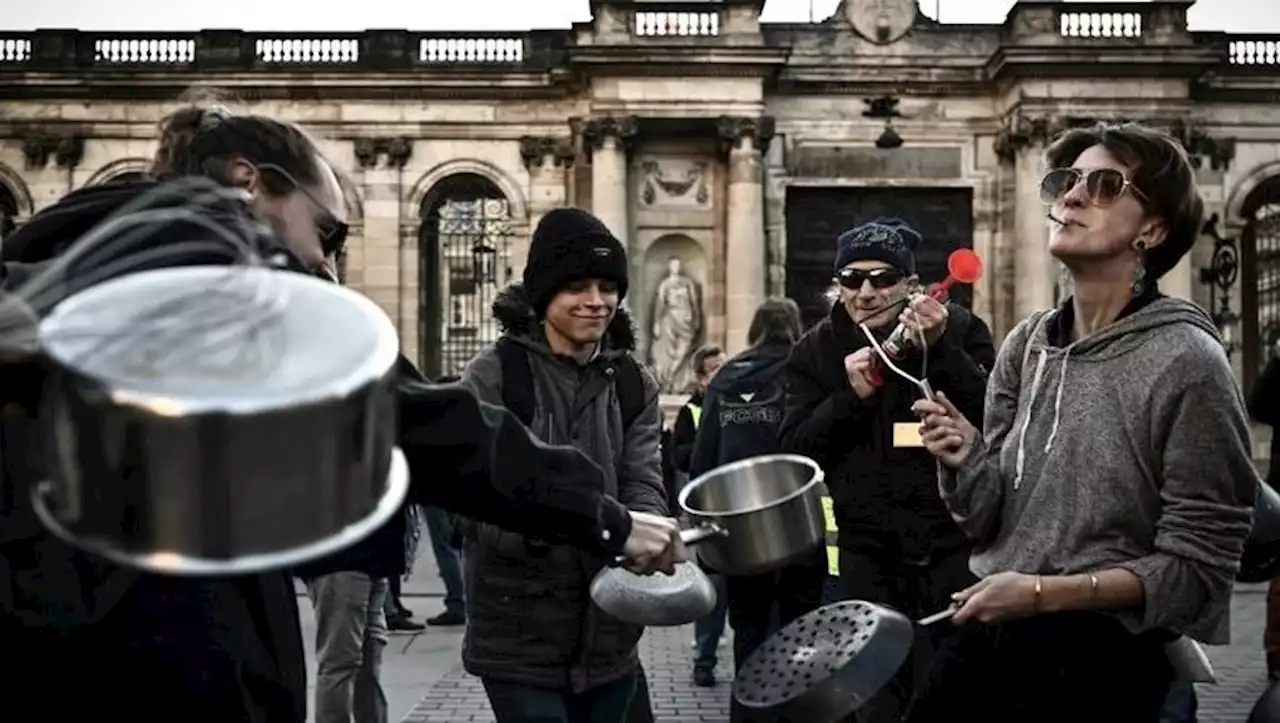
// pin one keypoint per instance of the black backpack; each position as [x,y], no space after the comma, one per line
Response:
[517,384]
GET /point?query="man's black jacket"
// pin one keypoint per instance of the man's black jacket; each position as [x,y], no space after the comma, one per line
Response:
[230,649]
[685,433]
[886,497]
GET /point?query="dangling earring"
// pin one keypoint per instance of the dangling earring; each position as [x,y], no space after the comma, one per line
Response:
[1140,271]
[1139,279]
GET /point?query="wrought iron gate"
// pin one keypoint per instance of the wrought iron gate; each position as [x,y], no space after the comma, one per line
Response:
[465,259]
[1260,300]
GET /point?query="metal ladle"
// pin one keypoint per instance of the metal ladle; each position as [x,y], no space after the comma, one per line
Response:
[658,600]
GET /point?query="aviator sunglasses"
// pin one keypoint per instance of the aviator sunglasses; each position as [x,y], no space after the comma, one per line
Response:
[1104,185]
[333,232]
[881,279]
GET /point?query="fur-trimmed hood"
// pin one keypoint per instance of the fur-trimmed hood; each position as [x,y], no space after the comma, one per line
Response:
[514,313]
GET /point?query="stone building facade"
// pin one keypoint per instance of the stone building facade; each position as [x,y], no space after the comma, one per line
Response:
[696,133]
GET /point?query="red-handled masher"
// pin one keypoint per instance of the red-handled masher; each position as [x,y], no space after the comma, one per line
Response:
[964,266]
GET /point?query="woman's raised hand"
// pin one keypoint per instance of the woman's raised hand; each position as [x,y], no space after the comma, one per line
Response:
[944,430]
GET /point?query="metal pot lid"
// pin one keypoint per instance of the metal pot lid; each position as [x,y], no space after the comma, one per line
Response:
[806,653]
[655,600]
[235,339]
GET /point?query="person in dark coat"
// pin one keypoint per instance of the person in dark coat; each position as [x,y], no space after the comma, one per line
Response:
[742,415]
[1264,406]
[159,648]
[706,362]
[545,652]
[898,544]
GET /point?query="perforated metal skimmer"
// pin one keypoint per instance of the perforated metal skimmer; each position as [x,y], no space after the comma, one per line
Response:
[825,664]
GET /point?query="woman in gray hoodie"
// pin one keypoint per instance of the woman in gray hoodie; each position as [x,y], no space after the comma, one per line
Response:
[1110,489]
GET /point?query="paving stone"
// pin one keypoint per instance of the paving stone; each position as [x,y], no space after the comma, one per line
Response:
[667,657]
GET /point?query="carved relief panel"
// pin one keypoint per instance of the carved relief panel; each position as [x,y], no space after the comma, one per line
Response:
[675,184]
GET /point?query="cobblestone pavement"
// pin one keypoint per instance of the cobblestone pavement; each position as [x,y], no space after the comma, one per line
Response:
[459,698]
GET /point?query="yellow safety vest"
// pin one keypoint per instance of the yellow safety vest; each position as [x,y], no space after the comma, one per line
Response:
[696,411]
[833,552]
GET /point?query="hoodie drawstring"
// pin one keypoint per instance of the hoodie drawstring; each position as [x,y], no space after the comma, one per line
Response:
[1041,362]
[1026,419]
[1057,400]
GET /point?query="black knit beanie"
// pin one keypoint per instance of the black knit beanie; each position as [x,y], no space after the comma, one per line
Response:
[569,245]
[889,240]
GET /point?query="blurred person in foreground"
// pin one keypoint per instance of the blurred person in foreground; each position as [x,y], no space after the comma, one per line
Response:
[158,648]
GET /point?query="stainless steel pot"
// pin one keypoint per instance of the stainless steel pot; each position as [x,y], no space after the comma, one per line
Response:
[215,421]
[770,508]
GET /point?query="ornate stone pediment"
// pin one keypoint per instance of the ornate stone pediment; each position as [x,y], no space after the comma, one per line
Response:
[879,21]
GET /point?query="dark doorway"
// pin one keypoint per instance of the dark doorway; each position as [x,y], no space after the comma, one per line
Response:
[817,215]
[465,260]
[1260,278]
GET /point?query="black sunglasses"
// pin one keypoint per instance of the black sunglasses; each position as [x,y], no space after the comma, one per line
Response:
[1104,185]
[333,231]
[853,279]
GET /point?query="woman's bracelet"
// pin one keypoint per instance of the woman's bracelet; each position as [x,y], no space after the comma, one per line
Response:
[1093,589]
[1039,589]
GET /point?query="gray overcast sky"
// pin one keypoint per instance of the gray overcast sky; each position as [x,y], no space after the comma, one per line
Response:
[1234,15]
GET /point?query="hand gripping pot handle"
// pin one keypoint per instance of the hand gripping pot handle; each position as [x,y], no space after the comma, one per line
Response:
[691,536]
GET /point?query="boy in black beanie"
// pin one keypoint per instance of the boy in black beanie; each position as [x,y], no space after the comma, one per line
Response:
[564,366]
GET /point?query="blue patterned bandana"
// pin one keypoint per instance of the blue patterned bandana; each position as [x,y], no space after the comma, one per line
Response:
[889,240]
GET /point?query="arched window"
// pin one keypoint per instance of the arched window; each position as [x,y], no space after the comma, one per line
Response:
[465,260]
[1260,287]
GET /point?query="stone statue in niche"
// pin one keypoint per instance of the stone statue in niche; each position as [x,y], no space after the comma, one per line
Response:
[676,322]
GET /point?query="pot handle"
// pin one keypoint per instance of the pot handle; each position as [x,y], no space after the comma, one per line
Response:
[692,536]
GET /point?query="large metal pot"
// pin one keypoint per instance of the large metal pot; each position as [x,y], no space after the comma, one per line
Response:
[770,508]
[214,420]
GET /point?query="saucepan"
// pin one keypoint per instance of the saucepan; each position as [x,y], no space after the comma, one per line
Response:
[770,508]
[828,663]
[219,420]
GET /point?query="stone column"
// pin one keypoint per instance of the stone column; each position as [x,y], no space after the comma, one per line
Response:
[607,140]
[746,255]
[1022,143]
[548,161]
[377,254]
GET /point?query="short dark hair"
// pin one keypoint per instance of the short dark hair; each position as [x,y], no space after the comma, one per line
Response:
[1161,171]
[201,137]
[775,323]
[701,356]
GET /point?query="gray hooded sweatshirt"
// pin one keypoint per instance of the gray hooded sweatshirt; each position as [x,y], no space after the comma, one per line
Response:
[1128,449]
